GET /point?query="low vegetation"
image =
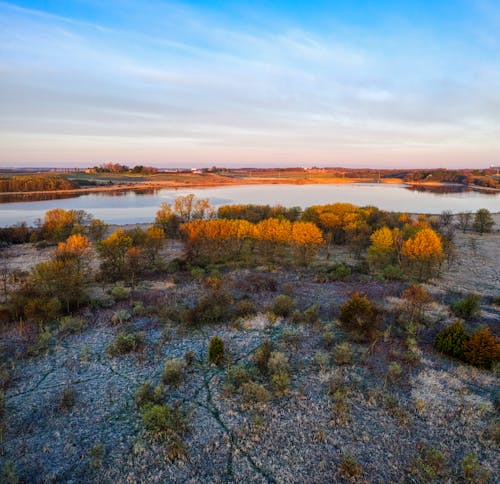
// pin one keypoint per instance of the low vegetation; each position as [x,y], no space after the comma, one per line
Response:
[229,344]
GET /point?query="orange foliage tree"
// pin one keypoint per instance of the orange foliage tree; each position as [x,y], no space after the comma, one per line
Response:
[219,240]
[423,252]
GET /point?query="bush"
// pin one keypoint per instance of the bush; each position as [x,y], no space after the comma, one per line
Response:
[121,316]
[245,307]
[173,371]
[252,393]
[360,318]
[393,273]
[262,355]
[238,375]
[119,292]
[283,305]
[257,283]
[168,424]
[215,307]
[338,272]
[125,343]
[473,471]
[450,341]
[144,395]
[41,345]
[311,314]
[216,350]
[280,372]
[466,308]
[322,360]
[482,349]
[71,325]
[394,371]
[342,354]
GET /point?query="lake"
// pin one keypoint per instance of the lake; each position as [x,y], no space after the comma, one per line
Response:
[133,207]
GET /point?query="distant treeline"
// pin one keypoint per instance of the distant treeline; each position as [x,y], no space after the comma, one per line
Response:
[34,183]
[484,178]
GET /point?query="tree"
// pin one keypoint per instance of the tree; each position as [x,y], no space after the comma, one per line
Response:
[113,251]
[155,238]
[382,251]
[306,238]
[483,221]
[463,221]
[423,252]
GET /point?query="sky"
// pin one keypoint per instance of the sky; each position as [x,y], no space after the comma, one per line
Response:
[355,83]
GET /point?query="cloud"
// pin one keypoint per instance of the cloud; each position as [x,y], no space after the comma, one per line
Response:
[170,84]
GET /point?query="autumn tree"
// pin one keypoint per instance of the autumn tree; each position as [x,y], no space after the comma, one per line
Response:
[382,251]
[59,224]
[167,220]
[423,253]
[306,238]
[112,252]
[155,238]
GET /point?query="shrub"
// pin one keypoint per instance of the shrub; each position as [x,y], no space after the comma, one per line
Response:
[431,463]
[119,292]
[216,350]
[342,354]
[189,357]
[238,375]
[262,355]
[350,467]
[291,338]
[394,371]
[393,273]
[482,349]
[257,283]
[121,316]
[283,305]
[450,341]
[280,372]
[360,318]
[473,471]
[468,307]
[125,343]
[144,395]
[322,360]
[163,419]
[311,314]
[197,273]
[281,382]
[71,325]
[41,345]
[173,371]
[67,398]
[252,393]
[245,307]
[212,308]
[168,424]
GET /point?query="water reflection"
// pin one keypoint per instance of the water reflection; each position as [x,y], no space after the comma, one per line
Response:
[140,206]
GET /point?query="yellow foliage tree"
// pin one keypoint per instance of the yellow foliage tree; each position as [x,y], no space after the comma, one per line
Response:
[382,250]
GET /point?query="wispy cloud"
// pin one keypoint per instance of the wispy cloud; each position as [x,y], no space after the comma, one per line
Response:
[176,84]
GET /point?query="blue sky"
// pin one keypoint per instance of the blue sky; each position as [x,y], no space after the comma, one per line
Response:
[353,83]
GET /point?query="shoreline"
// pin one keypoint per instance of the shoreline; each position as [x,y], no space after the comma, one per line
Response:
[168,184]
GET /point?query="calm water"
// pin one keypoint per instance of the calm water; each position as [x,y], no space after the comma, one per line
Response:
[132,207]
